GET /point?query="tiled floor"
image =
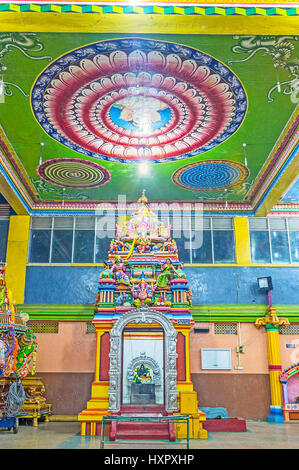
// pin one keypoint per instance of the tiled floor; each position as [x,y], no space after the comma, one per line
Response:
[59,435]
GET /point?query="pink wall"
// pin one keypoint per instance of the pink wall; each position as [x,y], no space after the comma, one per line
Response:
[254,360]
[71,350]
[66,361]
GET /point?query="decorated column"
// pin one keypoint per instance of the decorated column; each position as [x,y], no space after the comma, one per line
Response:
[271,322]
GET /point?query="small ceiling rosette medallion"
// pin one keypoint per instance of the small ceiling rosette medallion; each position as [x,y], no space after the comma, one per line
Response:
[210,175]
[73,173]
[126,100]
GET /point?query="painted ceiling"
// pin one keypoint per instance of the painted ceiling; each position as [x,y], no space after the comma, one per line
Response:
[190,117]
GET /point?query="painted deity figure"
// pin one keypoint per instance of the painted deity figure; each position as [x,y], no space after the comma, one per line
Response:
[167,269]
[119,269]
[170,245]
[143,245]
[27,346]
[144,293]
[116,245]
[180,273]
[106,273]
[142,375]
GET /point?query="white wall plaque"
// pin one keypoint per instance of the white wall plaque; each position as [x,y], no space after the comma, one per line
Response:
[212,358]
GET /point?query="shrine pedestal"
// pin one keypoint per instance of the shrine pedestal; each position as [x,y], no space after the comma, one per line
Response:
[143,394]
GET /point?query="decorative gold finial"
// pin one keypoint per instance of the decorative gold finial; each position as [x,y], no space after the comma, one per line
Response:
[143,198]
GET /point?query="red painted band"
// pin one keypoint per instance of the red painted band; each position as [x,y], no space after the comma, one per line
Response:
[274,367]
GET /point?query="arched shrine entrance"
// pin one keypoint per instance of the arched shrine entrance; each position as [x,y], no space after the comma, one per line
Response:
[128,348]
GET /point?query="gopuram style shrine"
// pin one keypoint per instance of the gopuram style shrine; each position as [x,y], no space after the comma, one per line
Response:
[142,322]
[149,224]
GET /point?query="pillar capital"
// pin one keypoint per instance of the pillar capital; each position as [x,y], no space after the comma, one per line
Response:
[271,321]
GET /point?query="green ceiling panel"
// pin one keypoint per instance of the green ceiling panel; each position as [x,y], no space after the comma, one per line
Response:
[258,63]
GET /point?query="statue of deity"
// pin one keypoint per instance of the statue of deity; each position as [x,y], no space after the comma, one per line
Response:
[119,269]
[167,268]
[143,245]
[144,292]
[106,273]
[142,375]
[116,245]
[170,246]
[180,273]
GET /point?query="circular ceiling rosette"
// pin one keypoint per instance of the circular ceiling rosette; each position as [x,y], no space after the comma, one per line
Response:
[73,173]
[126,100]
[210,175]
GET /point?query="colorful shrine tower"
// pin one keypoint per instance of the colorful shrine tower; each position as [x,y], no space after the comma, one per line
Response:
[143,323]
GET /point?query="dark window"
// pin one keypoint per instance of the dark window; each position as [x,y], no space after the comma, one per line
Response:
[40,246]
[62,246]
[102,246]
[203,254]
[224,246]
[183,251]
[280,247]
[84,246]
[294,242]
[260,246]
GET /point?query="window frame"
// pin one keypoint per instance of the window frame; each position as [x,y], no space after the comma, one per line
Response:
[210,228]
[269,230]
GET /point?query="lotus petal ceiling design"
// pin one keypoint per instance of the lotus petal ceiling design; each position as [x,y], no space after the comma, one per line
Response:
[127,100]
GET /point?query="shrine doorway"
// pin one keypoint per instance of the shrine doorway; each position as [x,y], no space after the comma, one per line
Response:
[143,365]
[143,338]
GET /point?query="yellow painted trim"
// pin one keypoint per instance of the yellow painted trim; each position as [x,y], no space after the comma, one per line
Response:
[184,387]
[83,429]
[185,330]
[242,240]
[99,334]
[187,356]
[165,24]
[16,256]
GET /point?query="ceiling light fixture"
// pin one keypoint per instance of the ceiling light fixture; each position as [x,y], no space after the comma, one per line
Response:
[41,152]
[278,82]
[2,84]
[245,156]
[143,168]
